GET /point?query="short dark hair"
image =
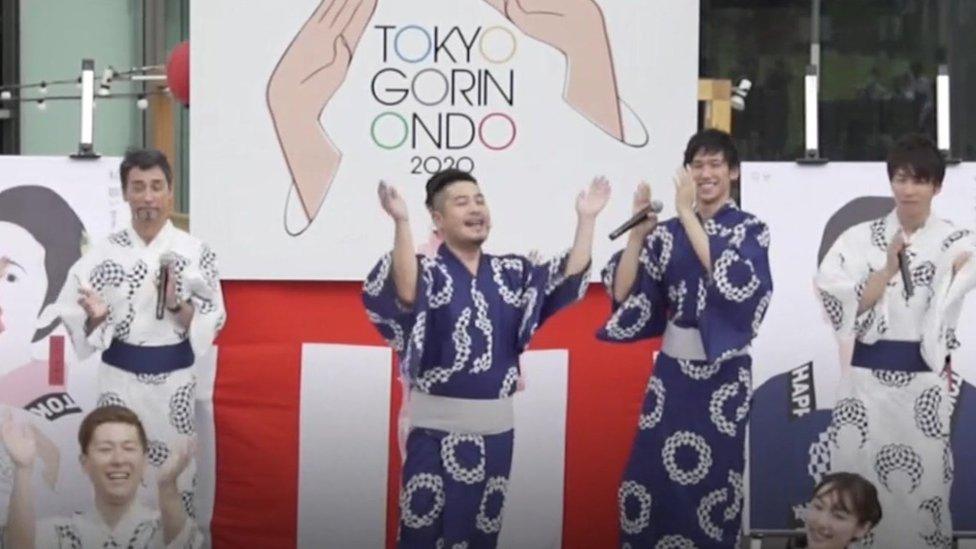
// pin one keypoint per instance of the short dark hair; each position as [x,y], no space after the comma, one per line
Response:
[109,414]
[712,140]
[144,159]
[853,491]
[444,178]
[55,226]
[919,155]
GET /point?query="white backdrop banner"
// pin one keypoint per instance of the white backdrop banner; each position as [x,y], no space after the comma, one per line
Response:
[796,364]
[301,107]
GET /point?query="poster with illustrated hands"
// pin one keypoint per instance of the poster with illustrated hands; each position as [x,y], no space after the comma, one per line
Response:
[300,109]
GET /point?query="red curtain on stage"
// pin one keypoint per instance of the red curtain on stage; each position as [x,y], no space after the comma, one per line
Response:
[256,408]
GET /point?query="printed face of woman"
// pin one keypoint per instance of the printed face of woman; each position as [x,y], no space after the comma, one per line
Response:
[23,285]
[830,523]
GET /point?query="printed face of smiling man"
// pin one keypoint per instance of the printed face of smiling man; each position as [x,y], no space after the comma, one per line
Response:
[115,460]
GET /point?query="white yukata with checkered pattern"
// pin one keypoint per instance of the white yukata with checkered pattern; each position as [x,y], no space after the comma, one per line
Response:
[893,427]
[124,270]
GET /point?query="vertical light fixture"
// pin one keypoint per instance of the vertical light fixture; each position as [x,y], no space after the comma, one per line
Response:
[811,93]
[942,121]
[810,120]
[86,146]
[942,108]
[811,113]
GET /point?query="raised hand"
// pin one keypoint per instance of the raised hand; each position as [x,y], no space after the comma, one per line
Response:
[171,469]
[19,440]
[642,199]
[577,29]
[592,200]
[315,63]
[960,261]
[559,23]
[392,202]
[94,306]
[684,191]
[589,202]
[896,245]
[306,78]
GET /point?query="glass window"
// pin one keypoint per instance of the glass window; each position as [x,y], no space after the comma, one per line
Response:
[879,59]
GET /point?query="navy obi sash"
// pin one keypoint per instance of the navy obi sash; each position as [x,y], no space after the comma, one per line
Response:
[898,356]
[140,359]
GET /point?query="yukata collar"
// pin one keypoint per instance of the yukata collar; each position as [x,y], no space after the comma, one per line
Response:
[158,241]
[135,514]
[728,206]
[446,255]
[893,225]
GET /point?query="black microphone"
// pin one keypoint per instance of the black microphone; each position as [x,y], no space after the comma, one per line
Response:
[655,206]
[906,276]
[162,281]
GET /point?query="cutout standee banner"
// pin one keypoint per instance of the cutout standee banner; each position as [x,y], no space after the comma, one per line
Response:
[796,363]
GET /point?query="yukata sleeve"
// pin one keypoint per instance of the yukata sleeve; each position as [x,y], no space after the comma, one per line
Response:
[189,537]
[940,322]
[738,294]
[643,313]
[200,285]
[840,283]
[544,289]
[56,532]
[403,327]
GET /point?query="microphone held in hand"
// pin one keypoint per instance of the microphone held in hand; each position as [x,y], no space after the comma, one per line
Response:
[906,276]
[655,206]
[162,281]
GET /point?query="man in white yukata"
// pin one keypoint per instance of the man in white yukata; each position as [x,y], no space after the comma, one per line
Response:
[459,321]
[114,452]
[147,298]
[896,286]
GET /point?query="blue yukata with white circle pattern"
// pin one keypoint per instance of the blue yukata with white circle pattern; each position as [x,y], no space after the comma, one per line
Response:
[683,485]
[462,339]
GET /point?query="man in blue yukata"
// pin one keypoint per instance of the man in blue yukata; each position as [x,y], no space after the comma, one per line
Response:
[459,321]
[700,280]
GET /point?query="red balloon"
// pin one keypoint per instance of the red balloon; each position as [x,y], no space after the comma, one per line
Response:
[178,72]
